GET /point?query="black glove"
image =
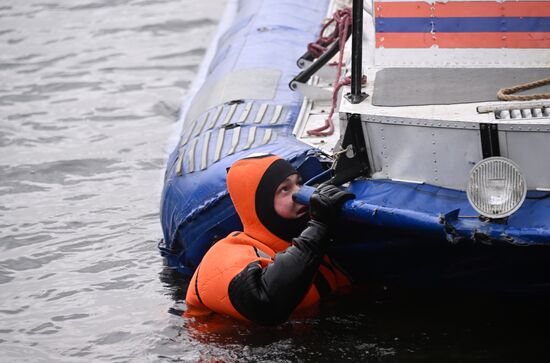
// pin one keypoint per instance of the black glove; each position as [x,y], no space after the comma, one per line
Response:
[326,203]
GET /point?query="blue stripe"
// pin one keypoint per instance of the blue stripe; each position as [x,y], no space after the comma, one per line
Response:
[463,25]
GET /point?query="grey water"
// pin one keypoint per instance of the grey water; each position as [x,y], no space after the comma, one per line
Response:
[89,96]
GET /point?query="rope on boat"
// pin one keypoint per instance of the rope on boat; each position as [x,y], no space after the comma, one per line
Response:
[320,45]
[329,124]
[505,94]
[343,19]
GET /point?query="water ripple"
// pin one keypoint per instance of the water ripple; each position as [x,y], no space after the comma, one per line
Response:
[46,328]
[63,295]
[106,265]
[5,277]
[55,172]
[174,26]
[23,239]
[14,311]
[27,263]
[99,4]
[192,67]
[90,92]
[70,317]
[62,87]
[8,100]
[194,53]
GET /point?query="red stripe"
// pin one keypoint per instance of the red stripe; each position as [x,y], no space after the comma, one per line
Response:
[463,40]
[418,9]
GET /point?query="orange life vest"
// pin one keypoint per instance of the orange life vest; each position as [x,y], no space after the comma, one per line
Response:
[208,289]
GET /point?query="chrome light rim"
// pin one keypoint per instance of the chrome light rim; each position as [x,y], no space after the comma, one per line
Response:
[496,187]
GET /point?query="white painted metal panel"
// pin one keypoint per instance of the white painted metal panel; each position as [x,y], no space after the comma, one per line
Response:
[530,150]
[424,153]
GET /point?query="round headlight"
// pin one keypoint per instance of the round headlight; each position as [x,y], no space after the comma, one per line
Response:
[496,188]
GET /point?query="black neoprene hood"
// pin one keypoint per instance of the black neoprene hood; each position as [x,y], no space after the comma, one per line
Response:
[283,228]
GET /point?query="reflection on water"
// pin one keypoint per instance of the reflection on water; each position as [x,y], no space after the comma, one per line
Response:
[89,97]
[377,324]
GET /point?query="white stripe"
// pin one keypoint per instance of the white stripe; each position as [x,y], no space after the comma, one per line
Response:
[276,114]
[235,140]
[251,138]
[192,155]
[204,155]
[267,136]
[189,134]
[179,164]
[230,113]
[261,113]
[219,144]
[246,111]
[202,123]
[215,118]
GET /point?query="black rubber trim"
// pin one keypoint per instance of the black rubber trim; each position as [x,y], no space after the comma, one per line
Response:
[489,140]
[197,286]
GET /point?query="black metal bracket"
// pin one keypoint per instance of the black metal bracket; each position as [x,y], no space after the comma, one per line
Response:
[489,140]
[353,161]
[306,74]
[304,59]
[354,99]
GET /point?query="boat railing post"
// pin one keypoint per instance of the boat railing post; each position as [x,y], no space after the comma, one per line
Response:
[356,96]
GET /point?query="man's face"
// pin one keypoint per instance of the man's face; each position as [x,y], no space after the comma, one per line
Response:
[284,205]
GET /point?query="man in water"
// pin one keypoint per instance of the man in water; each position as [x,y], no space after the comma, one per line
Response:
[277,264]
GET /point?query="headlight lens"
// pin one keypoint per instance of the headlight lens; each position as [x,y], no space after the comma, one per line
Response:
[496,187]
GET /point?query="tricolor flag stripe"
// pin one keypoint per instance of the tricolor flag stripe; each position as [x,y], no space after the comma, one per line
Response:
[463,25]
[463,40]
[462,9]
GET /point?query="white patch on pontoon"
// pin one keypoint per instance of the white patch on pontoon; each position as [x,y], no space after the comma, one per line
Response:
[251,138]
[219,144]
[229,114]
[219,110]
[179,163]
[267,136]
[186,139]
[253,83]
[261,113]
[192,155]
[235,140]
[227,20]
[276,114]
[202,122]
[256,155]
[204,155]
[246,111]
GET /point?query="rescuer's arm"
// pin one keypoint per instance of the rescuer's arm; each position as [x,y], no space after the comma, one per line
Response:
[269,295]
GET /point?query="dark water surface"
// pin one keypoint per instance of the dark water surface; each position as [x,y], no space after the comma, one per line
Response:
[89,96]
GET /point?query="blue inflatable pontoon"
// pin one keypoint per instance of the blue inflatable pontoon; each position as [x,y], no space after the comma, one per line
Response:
[452,183]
